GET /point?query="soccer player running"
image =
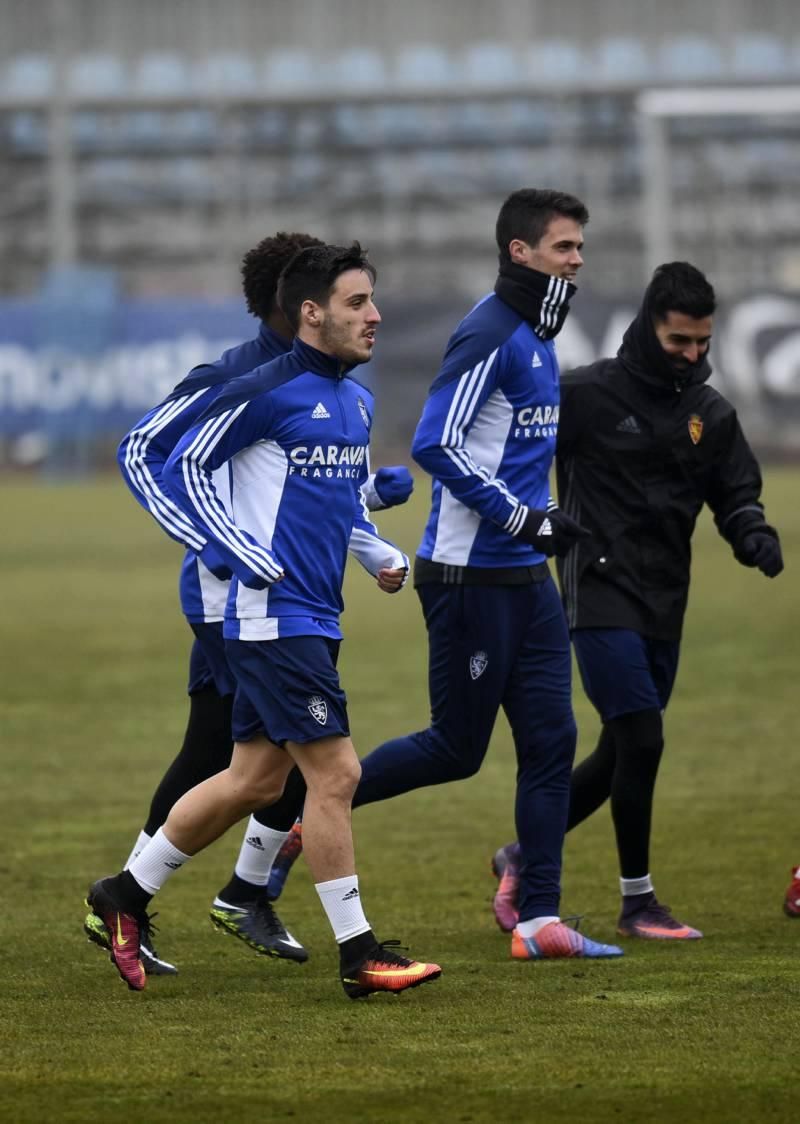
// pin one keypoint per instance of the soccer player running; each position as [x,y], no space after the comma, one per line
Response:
[242,906]
[496,629]
[294,435]
[643,443]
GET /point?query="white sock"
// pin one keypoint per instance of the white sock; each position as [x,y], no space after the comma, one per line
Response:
[532,927]
[156,862]
[643,885]
[260,847]
[342,903]
[138,846]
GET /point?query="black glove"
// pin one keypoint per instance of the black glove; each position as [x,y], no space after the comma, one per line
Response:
[761,548]
[551,532]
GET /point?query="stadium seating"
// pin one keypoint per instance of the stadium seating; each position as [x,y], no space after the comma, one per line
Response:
[28,76]
[760,57]
[556,62]
[622,61]
[691,58]
[162,74]
[98,76]
[421,67]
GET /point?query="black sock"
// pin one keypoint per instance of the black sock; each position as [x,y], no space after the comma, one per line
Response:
[206,749]
[240,892]
[353,951]
[639,741]
[632,903]
[590,783]
[129,893]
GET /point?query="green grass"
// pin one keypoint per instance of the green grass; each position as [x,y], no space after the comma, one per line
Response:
[93,708]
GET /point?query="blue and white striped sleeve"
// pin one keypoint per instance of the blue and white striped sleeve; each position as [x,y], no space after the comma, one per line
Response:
[188,476]
[439,444]
[141,457]
[366,545]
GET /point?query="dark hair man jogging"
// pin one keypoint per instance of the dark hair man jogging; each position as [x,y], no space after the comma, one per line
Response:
[294,435]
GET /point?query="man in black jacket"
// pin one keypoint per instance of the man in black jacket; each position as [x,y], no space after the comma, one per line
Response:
[643,443]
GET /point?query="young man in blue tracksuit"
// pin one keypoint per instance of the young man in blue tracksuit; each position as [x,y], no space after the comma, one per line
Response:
[241,907]
[294,436]
[497,633]
[496,629]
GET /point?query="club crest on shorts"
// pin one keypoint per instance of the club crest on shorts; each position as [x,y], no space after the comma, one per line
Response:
[478,664]
[365,416]
[318,709]
[695,428]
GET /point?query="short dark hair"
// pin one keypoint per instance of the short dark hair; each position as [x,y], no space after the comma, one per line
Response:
[527,213]
[262,266]
[311,275]
[677,286]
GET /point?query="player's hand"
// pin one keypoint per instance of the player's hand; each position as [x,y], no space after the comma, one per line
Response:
[552,532]
[762,549]
[390,581]
[213,562]
[393,484]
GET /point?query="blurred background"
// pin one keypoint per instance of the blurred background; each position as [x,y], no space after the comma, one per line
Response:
[145,146]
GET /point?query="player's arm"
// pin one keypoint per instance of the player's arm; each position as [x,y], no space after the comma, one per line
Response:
[439,446]
[734,496]
[377,555]
[188,476]
[141,456]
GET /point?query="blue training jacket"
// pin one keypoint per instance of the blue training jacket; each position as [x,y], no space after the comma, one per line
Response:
[143,453]
[294,435]
[487,436]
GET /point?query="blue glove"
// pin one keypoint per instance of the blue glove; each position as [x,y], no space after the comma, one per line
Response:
[393,484]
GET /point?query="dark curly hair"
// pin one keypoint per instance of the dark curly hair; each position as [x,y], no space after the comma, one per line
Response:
[262,266]
[312,274]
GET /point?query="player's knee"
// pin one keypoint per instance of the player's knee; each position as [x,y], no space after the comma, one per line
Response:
[641,733]
[459,757]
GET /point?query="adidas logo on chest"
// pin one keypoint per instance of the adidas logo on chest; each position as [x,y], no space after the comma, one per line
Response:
[319,412]
[629,425]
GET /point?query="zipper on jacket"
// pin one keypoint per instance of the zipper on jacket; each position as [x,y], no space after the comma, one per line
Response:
[341,405]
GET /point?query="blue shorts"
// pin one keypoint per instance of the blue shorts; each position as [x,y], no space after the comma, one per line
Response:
[287,689]
[624,672]
[208,664]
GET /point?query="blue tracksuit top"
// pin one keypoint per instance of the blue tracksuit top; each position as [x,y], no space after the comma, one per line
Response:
[487,436]
[294,435]
[144,450]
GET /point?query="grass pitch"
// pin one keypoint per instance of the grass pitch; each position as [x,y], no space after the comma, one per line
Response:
[93,709]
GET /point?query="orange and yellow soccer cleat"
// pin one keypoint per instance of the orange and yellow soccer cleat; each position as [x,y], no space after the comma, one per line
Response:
[791,899]
[557,941]
[383,969]
[654,922]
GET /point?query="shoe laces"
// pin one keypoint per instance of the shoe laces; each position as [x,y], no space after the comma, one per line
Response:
[576,917]
[266,916]
[146,930]
[388,952]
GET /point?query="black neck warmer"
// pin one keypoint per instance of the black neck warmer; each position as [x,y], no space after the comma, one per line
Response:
[540,299]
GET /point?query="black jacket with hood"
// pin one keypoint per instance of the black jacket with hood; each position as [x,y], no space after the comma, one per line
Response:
[641,447]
